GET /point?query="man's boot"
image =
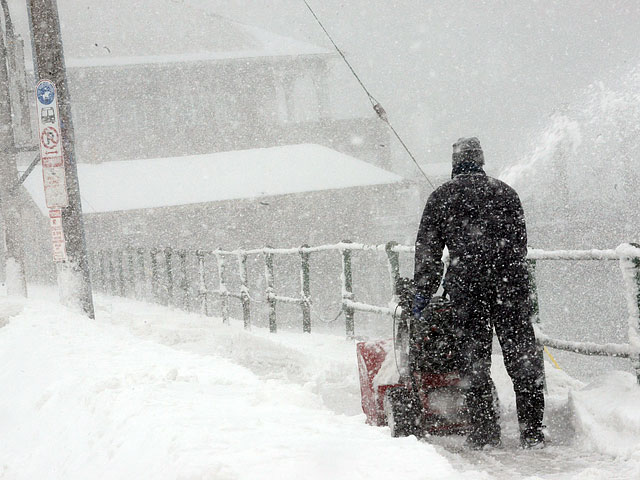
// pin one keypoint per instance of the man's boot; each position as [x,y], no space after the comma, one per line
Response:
[532,437]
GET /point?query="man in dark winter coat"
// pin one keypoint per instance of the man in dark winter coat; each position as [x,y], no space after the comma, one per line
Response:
[481,222]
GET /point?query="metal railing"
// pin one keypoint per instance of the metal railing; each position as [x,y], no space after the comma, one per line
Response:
[161,275]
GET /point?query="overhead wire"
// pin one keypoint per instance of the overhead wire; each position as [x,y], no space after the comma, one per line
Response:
[377,107]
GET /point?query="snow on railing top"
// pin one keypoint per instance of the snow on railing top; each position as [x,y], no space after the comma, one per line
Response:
[592,254]
[624,250]
[628,250]
[585,348]
[320,248]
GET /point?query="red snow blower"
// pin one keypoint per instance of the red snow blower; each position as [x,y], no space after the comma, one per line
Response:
[411,382]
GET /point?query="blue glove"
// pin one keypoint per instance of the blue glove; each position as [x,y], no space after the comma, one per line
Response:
[420,302]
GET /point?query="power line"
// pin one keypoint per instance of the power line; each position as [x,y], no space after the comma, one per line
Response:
[377,107]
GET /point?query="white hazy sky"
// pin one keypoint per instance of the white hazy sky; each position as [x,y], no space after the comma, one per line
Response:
[495,69]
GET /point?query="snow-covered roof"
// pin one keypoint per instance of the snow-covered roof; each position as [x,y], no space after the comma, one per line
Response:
[122,32]
[161,31]
[267,45]
[152,183]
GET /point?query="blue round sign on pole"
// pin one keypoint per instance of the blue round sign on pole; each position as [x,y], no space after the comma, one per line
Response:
[46,92]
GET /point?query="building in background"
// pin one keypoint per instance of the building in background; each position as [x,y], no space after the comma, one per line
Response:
[174,80]
[163,112]
[279,196]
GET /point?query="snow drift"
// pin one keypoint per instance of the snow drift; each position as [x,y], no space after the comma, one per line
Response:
[149,392]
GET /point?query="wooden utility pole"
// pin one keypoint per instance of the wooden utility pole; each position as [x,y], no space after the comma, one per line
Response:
[18,85]
[73,271]
[13,238]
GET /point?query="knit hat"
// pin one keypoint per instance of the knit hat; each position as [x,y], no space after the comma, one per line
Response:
[468,150]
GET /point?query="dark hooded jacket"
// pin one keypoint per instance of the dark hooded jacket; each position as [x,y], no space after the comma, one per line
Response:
[481,221]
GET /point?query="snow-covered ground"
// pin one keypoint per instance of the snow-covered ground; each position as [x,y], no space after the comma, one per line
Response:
[149,392]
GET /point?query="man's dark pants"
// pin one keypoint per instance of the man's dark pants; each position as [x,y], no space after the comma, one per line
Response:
[478,308]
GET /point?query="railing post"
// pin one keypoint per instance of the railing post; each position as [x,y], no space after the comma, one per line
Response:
[132,272]
[305,293]
[185,285]
[636,265]
[120,259]
[347,291]
[103,272]
[155,276]
[168,261]
[244,291]
[203,293]
[122,274]
[270,291]
[112,273]
[223,291]
[630,266]
[141,289]
[394,265]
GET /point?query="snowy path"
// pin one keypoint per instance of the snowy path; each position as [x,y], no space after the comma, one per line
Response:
[336,384]
[552,463]
[147,392]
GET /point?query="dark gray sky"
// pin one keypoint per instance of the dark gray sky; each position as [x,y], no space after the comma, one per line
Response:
[495,69]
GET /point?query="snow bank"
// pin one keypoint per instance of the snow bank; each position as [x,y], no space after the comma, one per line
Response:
[10,307]
[325,365]
[92,399]
[15,278]
[607,415]
[149,392]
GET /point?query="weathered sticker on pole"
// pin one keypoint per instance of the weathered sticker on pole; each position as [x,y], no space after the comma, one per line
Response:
[57,236]
[51,154]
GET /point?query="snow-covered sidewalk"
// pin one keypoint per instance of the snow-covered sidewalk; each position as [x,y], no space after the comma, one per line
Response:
[148,392]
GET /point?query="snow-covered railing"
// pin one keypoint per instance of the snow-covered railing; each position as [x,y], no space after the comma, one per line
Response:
[134,271]
[628,257]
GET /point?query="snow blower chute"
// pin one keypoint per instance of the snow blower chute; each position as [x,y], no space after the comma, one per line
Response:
[411,382]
